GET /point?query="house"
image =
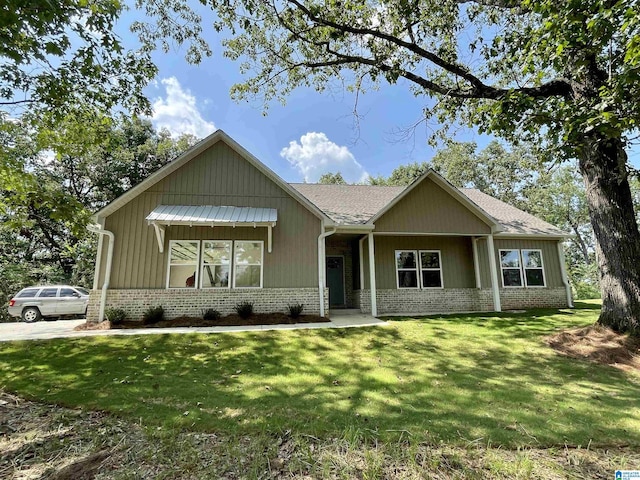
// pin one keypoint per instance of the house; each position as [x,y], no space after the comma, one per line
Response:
[216,227]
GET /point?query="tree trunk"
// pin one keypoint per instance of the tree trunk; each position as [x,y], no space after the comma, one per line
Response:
[604,170]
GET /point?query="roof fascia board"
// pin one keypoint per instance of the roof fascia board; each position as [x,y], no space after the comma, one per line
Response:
[449,188]
[198,148]
[534,236]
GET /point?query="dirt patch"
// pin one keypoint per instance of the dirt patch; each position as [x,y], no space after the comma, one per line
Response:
[226,321]
[598,344]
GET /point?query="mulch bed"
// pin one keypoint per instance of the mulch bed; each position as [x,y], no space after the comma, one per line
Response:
[598,344]
[226,321]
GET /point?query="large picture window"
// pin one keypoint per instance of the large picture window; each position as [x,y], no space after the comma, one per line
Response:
[183,263]
[215,264]
[247,266]
[522,268]
[418,269]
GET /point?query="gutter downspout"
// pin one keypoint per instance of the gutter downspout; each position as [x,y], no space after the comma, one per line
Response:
[107,274]
[321,265]
[563,271]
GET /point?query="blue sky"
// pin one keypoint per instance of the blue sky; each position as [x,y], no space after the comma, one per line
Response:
[312,134]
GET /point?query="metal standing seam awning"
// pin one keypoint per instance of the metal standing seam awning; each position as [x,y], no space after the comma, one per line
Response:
[211,216]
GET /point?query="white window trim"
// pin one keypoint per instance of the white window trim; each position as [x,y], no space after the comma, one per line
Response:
[261,264]
[430,269]
[541,267]
[522,268]
[416,269]
[197,265]
[502,268]
[231,250]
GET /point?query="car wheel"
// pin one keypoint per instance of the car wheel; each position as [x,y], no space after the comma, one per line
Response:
[31,314]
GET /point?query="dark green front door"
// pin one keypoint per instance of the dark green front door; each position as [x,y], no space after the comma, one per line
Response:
[335,281]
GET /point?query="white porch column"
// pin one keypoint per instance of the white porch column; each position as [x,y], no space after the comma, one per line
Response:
[494,274]
[372,277]
[361,261]
[476,263]
[565,277]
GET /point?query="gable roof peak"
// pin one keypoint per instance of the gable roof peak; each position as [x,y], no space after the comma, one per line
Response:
[193,152]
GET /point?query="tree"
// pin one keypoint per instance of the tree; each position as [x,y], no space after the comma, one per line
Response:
[332,179]
[56,55]
[517,177]
[565,74]
[401,175]
[46,202]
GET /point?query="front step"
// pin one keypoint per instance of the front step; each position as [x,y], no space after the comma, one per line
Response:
[344,311]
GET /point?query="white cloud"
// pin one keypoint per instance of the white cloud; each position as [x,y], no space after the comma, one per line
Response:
[178,111]
[316,154]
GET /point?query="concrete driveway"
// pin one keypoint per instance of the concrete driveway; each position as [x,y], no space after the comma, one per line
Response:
[44,330]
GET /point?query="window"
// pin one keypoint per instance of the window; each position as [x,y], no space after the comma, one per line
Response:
[68,292]
[183,263]
[510,264]
[522,268]
[406,269]
[418,269]
[208,264]
[533,268]
[29,292]
[430,269]
[216,264]
[48,292]
[247,265]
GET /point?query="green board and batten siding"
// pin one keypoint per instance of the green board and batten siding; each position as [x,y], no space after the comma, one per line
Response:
[456,256]
[217,176]
[429,208]
[550,259]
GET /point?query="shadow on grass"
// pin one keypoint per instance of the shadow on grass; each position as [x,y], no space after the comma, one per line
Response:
[457,379]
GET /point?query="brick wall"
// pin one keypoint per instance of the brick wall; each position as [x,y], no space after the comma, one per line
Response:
[459,300]
[515,298]
[190,302]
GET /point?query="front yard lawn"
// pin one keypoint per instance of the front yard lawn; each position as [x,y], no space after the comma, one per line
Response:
[489,379]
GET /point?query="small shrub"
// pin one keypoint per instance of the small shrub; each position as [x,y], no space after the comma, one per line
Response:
[244,309]
[211,314]
[153,315]
[295,310]
[115,315]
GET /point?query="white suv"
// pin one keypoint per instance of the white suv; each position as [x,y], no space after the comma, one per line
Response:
[33,303]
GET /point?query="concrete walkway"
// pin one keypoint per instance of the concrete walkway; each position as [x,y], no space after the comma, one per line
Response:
[65,328]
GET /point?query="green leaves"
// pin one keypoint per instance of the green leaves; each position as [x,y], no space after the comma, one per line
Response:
[55,55]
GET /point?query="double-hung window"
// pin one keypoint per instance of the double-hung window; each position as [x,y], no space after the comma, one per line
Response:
[533,268]
[430,269]
[407,268]
[418,269]
[522,268]
[215,264]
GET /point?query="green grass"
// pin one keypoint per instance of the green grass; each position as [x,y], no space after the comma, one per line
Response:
[488,379]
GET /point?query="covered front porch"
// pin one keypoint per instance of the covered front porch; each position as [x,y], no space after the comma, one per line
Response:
[410,273]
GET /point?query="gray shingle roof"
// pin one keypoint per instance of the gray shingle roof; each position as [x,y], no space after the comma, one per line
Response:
[348,204]
[513,220]
[356,204]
